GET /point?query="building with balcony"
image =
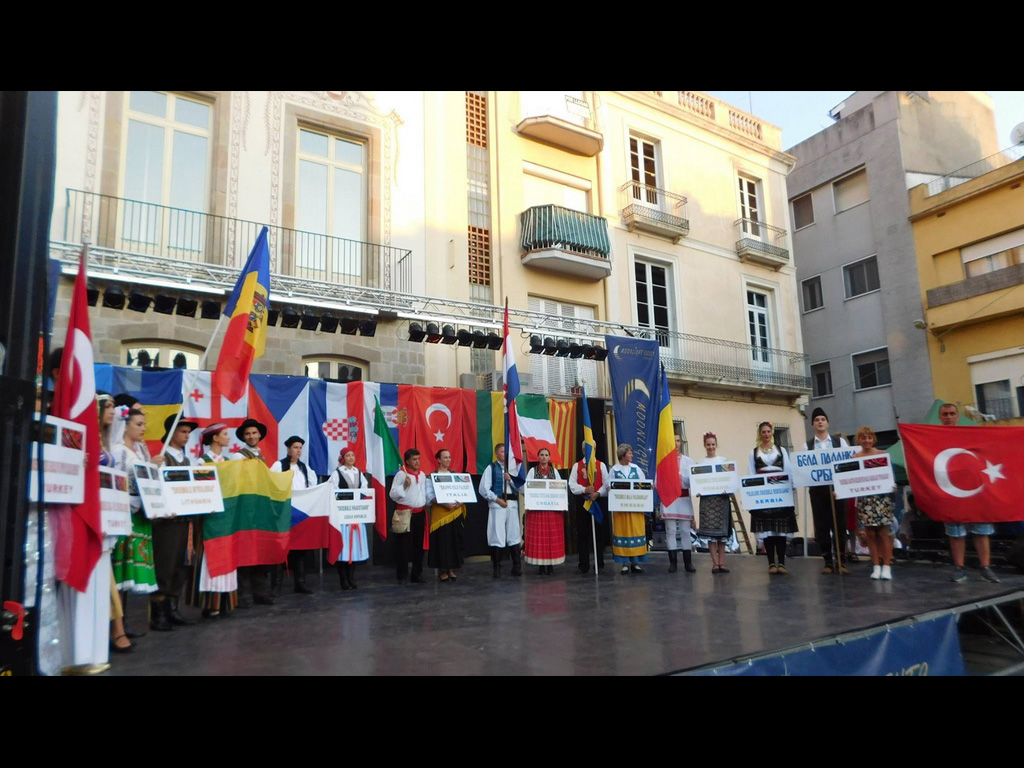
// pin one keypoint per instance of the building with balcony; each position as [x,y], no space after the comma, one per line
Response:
[854,250]
[969,234]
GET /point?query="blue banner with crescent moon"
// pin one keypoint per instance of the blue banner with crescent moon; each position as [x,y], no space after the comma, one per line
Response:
[633,366]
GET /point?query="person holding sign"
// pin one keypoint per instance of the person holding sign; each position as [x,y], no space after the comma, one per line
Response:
[545,530]
[252,579]
[216,594]
[119,642]
[445,525]
[629,529]
[715,522]
[408,490]
[354,548]
[876,514]
[503,530]
[829,537]
[679,515]
[774,526]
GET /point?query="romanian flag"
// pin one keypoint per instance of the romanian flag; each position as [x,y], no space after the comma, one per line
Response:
[254,526]
[563,422]
[246,335]
[667,480]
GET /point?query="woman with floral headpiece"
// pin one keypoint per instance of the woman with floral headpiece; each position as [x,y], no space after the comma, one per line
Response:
[715,523]
[774,527]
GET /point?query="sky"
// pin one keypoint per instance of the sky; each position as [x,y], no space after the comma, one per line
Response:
[801,114]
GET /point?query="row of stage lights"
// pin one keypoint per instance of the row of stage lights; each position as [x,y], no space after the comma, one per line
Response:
[433,333]
[114,297]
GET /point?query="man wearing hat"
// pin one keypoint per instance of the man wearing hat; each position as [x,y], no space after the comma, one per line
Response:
[302,477]
[252,579]
[825,533]
[171,536]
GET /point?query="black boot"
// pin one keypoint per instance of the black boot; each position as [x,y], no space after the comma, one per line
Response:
[276,577]
[496,562]
[688,561]
[297,562]
[350,574]
[673,561]
[158,620]
[342,575]
[174,615]
[517,565]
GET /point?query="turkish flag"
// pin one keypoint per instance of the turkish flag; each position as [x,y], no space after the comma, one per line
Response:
[966,475]
[437,416]
[74,399]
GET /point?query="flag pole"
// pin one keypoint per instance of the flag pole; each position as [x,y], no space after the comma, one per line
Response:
[835,534]
[593,536]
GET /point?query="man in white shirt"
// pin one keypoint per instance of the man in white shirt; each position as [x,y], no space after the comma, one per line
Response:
[829,537]
[408,490]
[503,528]
[302,477]
[252,579]
[251,432]
[586,525]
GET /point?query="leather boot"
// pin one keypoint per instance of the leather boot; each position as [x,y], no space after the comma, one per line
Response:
[158,620]
[517,565]
[174,615]
[350,574]
[673,561]
[297,562]
[276,577]
[688,561]
[342,575]
[496,562]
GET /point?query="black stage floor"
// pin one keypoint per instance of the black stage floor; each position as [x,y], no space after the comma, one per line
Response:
[564,624]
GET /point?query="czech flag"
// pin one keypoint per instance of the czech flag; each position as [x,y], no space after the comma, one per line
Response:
[667,479]
[246,336]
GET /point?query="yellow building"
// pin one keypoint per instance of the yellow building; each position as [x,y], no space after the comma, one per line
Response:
[969,237]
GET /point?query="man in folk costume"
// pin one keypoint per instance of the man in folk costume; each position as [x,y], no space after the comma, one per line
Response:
[302,477]
[579,485]
[252,579]
[678,516]
[173,539]
[829,537]
[503,528]
[409,492]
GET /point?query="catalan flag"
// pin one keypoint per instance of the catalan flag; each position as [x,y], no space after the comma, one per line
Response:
[246,335]
[667,480]
[563,423]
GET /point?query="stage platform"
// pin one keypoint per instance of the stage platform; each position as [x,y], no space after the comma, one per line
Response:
[566,624]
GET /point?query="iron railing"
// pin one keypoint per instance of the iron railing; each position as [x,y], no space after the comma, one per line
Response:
[647,203]
[118,225]
[724,361]
[758,236]
[975,169]
[551,226]
[1001,407]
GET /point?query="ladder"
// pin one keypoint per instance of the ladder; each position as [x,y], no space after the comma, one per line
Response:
[738,524]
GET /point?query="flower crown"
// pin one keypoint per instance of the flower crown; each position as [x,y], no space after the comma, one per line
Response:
[709,434]
[121,412]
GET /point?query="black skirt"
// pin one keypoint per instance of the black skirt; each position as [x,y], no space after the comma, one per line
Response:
[446,546]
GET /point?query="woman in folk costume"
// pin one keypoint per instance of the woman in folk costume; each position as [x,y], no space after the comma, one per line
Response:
[545,530]
[629,529]
[119,641]
[218,594]
[679,515]
[715,522]
[354,548]
[876,513]
[445,525]
[773,526]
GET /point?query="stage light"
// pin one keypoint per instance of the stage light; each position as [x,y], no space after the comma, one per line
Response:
[113,297]
[494,341]
[562,348]
[536,344]
[433,333]
[289,318]
[588,351]
[368,327]
[272,315]
[164,304]
[187,307]
[92,293]
[328,323]
[575,350]
[549,346]
[139,301]
[349,326]
[479,339]
[465,337]
[448,334]
[416,332]
[309,321]
[600,353]
[211,309]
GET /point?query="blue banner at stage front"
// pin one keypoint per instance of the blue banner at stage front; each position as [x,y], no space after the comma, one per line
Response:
[633,370]
[920,648]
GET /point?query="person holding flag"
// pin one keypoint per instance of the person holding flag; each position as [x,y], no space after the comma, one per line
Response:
[503,529]
[678,515]
[676,509]
[302,477]
[588,479]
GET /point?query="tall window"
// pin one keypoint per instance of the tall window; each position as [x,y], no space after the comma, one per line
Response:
[554,375]
[861,277]
[750,205]
[821,379]
[166,163]
[643,167]
[803,211]
[653,300]
[994,254]
[811,288]
[871,369]
[330,204]
[330,368]
[759,327]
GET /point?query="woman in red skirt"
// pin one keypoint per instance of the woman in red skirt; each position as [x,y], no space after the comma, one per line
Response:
[545,531]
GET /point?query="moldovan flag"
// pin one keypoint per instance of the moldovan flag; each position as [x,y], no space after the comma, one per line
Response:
[280,402]
[971,475]
[246,335]
[667,480]
[535,427]
[74,399]
[563,423]
[254,526]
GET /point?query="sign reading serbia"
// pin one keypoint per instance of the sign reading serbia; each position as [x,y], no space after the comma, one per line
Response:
[815,467]
[867,476]
[766,491]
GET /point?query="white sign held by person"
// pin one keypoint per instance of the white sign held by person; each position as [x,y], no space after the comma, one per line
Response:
[192,490]
[812,468]
[115,509]
[547,495]
[151,490]
[714,479]
[631,496]
[767,491]
[354,506]
[63,461]
[866,476]
[456,488]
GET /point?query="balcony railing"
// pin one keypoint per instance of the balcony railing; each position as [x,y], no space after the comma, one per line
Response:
[758,242]
[1002,408]
[719,361]
[551,226]
[654,210]
[129,226]
[976,169]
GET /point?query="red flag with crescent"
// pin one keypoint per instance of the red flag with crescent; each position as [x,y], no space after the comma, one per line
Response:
[437,415]
[966,475]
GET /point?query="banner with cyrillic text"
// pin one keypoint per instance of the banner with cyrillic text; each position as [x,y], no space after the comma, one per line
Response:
[811,468]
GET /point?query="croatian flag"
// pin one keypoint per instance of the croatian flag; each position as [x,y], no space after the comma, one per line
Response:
[513,442]
[337,420]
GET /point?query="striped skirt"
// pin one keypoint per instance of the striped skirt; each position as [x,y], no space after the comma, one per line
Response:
[629,537]
[545,538]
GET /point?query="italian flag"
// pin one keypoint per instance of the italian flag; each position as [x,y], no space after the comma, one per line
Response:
[535,427]
[254,527]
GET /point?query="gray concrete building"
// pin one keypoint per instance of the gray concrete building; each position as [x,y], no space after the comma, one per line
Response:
[854,251]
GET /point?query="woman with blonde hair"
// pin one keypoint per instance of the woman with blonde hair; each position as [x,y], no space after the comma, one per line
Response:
[715,511]
[775,526]
[876,513]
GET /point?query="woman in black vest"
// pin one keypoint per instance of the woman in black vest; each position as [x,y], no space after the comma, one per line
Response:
[354,548]
[772,526]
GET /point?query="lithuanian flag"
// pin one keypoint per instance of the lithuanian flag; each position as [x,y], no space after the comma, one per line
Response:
[254,526]
[246,335]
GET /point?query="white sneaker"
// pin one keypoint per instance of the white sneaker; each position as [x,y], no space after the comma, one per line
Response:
[886,573]
[876,572]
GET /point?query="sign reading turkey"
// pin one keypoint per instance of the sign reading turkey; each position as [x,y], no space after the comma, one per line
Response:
[965,474]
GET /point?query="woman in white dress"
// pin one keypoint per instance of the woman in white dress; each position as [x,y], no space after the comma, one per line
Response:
[354,548]
[217,595]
